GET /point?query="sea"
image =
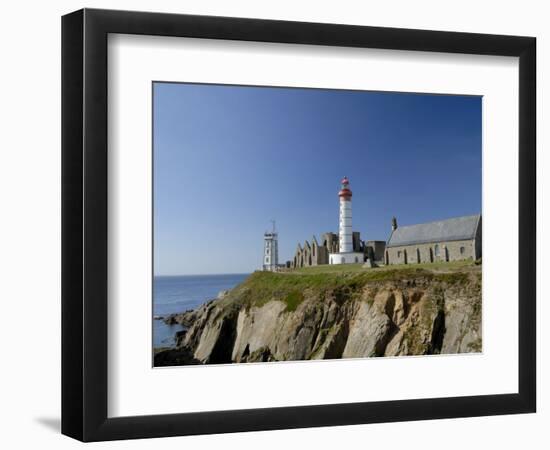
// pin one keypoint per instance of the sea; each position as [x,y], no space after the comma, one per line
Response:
[175,294]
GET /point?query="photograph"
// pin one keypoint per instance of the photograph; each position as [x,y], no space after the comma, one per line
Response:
[294,224]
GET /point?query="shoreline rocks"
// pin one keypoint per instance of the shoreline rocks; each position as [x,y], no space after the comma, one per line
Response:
[185,318]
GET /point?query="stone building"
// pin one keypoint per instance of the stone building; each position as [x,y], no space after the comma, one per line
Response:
[330,241]
[315,254]
[310,254]
[445,240]
[375,250]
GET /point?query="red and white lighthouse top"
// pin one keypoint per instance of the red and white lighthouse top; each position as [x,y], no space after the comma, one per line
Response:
[345,192]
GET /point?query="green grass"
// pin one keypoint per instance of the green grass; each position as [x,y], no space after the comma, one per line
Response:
[339,281]
[327,268]
[293,299]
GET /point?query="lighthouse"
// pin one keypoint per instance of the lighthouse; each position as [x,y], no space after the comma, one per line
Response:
[346,255]
[345,234]
[271,250]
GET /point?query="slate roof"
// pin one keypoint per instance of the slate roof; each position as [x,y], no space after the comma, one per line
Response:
[456,229]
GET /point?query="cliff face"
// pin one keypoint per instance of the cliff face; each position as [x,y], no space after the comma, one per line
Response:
[282,317]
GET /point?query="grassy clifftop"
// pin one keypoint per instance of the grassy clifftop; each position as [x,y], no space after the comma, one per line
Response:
[293,286]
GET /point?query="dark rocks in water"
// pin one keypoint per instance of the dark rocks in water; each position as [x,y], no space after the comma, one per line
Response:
[185,318]
[174,357]
[170,320]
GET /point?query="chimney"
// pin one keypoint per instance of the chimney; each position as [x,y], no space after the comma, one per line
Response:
[393,224]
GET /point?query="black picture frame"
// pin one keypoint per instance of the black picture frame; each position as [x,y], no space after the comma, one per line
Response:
[84,224]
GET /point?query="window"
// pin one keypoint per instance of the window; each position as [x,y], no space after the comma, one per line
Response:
[436,250]
[462,250]
[267,251]
[399,253]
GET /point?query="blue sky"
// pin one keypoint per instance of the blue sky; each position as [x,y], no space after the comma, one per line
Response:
[228,159]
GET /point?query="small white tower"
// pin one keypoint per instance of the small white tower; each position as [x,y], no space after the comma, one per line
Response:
[271,250]
[346,255]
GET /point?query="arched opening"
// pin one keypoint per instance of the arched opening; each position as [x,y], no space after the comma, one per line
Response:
[309,260]
[387,258]
[405,256]
[418,255]
[446,253]
[436,250]
[431,255]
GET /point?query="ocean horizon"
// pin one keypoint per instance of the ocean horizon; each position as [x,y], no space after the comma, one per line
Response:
[178,293]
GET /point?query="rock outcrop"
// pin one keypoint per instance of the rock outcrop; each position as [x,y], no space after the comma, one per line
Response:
[282,317]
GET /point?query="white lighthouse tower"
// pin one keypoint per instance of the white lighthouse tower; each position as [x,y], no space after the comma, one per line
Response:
[346,255]
[271,250]
[345,231]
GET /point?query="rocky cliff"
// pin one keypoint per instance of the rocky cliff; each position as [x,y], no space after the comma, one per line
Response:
[335,314]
